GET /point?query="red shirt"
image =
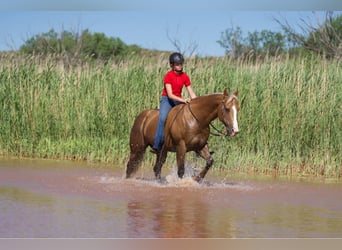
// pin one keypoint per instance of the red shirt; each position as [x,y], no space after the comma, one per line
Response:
[177,82]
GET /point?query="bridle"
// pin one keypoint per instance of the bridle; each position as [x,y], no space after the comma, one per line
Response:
[219,133]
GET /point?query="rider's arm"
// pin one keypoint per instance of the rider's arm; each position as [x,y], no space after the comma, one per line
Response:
[191,92]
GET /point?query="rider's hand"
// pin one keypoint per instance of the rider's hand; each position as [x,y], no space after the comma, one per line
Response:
[187,100]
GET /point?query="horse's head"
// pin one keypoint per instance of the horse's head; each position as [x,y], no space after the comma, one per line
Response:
[228,112]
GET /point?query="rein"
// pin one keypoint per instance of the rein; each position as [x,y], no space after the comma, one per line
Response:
[219,133]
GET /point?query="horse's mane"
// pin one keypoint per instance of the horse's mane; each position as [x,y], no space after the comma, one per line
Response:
[206,96]
[198,98]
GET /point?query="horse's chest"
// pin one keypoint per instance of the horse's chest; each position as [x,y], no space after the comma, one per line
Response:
[193,138]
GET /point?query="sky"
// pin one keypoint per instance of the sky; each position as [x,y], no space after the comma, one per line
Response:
[149,23]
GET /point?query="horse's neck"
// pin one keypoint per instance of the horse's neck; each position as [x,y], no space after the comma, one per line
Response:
[205,108]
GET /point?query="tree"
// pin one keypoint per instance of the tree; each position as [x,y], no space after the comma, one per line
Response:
[256,43]
[272,42]
[232,41]
[325,39]
[188,49]
[72,45]
[41,44]
[67,42]
[99,46]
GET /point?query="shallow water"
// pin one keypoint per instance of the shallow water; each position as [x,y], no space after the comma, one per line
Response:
[62,199]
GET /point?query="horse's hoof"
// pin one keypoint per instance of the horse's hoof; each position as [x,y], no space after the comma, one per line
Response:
[197,178]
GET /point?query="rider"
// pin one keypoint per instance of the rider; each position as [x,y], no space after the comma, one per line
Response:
[174,80]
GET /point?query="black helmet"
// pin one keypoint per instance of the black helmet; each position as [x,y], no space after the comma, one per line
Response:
[176,58]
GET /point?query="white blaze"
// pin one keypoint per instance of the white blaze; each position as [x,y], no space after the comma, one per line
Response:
[235,122]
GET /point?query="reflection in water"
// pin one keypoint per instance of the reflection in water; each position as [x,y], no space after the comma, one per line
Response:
[168,217]
[184,215]
[31,214]
[63,199]
[302,220]
[178,208]
[24,196]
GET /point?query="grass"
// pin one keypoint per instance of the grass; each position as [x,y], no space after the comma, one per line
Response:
[290,118]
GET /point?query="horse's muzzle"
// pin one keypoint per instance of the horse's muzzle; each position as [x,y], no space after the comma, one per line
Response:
[234,133]
[231,132]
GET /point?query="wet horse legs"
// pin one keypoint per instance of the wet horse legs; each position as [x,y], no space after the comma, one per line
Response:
[161,158]
[133,163]
[205,154]
[180,155]
[181,151]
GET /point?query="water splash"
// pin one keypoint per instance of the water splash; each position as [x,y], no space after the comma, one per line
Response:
[187,181]
[172,180]
[108,180]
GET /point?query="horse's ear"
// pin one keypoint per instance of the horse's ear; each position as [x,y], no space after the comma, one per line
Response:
[225,92]
[236,92]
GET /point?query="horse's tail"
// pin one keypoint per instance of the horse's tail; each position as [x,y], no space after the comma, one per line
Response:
[143,130]
[142,134]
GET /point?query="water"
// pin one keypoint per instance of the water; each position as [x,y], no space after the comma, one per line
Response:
[61,199]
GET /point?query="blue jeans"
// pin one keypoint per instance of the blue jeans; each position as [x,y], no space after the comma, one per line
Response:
[166,104]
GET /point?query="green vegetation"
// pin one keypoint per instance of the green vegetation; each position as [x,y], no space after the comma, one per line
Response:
[323,38]
[255,44]
[73,46]
[290,118]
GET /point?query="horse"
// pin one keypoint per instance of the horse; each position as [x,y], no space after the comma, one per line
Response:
[186,129]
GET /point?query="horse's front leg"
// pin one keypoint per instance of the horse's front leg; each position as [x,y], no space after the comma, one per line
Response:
[205,154]
[180,155]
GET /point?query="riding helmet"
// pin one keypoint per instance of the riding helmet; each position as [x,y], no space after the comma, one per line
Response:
[176,58]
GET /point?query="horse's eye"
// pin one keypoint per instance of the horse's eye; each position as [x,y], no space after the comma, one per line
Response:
[227,109]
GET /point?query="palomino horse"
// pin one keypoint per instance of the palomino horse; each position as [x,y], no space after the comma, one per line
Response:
[186,129]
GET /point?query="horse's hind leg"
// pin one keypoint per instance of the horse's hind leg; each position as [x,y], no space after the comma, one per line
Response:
[134,161]
[161,158]
[205,154]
